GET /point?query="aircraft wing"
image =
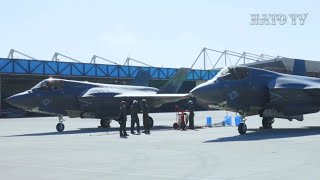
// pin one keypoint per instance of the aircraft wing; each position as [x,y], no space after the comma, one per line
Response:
[288,90]
[290,83]
[154,100]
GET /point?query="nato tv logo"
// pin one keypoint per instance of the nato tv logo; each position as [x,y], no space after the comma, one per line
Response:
[278,19]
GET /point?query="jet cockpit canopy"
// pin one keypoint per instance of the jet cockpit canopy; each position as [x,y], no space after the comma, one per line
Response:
[49,84]
[233,73]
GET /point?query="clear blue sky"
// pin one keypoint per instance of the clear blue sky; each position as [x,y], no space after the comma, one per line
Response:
[168,33]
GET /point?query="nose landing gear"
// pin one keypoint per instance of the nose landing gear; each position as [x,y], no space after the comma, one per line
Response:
[60,125]
[105,123]
[242,127]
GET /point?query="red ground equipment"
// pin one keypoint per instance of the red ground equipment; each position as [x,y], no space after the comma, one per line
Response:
[182,120]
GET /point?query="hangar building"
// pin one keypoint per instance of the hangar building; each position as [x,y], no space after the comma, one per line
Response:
[17,75]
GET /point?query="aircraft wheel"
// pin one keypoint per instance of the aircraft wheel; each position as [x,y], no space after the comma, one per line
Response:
[105,123]
[60,127]
[242,128]
[175,125]
[150,122]
[267,123]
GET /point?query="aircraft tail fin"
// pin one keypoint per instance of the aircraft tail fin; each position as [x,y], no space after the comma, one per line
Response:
[174,84]
[141,79]
[299,67]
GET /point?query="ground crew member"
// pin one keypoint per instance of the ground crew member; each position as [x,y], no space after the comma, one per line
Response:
[191,115]
[123,119]
[134,110]
[145,115]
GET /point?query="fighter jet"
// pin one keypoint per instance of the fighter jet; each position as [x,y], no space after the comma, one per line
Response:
[93,100]
[252,91]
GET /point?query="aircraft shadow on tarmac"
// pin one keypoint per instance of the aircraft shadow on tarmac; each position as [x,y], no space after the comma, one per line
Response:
[277,133]
[108,131]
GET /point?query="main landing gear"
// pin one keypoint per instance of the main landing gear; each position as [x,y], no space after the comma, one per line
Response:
[60,125]
[150,122]
[242,127]
[267,122]
[105,123]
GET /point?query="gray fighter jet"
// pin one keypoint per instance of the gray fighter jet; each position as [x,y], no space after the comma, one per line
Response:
[93,100]
[252,91]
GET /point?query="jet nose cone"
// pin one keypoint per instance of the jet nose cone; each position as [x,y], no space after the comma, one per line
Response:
[12,100]
[200,92]
[22,100]
[195,92]
[15,100]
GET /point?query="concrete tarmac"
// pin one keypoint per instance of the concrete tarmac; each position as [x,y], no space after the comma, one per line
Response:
[30,148]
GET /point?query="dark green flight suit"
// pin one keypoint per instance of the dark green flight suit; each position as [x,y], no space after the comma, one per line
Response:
[134,110]
[123,121]
[145,115]
[191,116]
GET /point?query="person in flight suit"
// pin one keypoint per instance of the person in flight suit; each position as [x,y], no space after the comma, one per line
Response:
[134,110]
[191,115]
[145,115]
[123,119]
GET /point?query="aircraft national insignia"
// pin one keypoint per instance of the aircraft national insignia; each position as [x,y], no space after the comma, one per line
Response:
[233,95]
[46,102]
